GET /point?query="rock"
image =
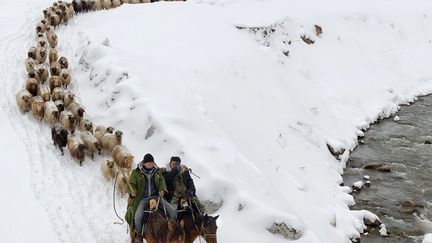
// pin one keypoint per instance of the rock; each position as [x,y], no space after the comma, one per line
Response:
[357,186]
[409,210]
[396,118]
[335,153]
[318,30]
[356,240]
[370,223]
[366,177]
[378,167]
[285,231]
[410,203]
[307,40]
[428,142]
[367,183]
[361,141]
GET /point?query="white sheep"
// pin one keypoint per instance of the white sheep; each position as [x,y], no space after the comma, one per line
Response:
[32,86]
[41,55]
[57,94]
[29,64]
[55,69]
[40,27]
[42,73]
[51,112]
[122,182]
[52,55]
[70,10]
[86,125]
[122,156]
[41,42]
[106,4]
[31,53]
[52,38]
[64,73]
[77,110]
[23,99]
[44,92]
[76,149]
[91,143]
[108,169]
[109,141]
[116,3]
[68,98]
[55,81]
[97,5]
[101,130]
[55,21]
[37,107]
[68,121]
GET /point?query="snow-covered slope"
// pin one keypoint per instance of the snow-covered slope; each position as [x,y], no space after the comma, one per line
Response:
[206,80]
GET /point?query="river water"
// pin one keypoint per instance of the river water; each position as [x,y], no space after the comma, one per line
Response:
[401,147]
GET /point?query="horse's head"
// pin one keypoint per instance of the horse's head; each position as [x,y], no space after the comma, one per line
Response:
[208,228]
[176,233]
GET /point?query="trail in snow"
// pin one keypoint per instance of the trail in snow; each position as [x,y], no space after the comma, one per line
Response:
[77,199]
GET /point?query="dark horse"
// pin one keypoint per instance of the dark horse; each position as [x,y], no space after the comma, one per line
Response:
[196,225]
[161,230]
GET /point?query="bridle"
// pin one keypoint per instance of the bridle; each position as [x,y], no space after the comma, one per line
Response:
[204,233]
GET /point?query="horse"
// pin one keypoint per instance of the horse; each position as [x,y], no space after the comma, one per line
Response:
[159,229]
[196,225]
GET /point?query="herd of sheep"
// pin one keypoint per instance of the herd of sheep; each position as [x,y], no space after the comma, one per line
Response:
[47,96]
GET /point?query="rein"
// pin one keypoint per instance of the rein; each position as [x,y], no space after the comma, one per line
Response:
[201,230]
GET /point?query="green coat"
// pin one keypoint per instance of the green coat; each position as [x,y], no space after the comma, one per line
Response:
[137,181]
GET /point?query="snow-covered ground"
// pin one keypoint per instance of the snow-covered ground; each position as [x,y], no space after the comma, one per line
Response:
[209,81]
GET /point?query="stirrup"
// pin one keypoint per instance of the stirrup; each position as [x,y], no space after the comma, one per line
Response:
[152,204]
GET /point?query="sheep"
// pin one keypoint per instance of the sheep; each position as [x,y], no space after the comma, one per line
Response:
[101,130]
[37,107]
[65,75]
[70,9]
[55,81]
[55,20]
[109,141]
[77,110]
[106,4]
[68,98]
[115,3]
[44,92]
[29,64]
[52,38]
[52,55]
[108,169]
[40,27]
[41,42]
[57,94]
[63,62]
[77,6]
[86,125]
[59,136]
[60,105]
[23,99]
[32,86]
[33,74]
[55,69]
[42,73]
[76,149]
[122,157]
[51,112]
[92,145]
[122,182]
[31,53]
[41,55]
[68,121]
[65,16]
[97,5]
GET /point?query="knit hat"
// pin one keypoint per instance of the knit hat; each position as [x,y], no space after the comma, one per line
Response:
[148,158]
[176,159]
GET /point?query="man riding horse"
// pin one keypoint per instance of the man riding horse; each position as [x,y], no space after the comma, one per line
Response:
[180,185]
[147,183]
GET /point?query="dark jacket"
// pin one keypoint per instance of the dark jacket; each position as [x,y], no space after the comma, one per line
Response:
[183,172]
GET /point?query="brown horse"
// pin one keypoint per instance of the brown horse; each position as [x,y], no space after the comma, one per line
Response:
[161,230]
[199,225]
